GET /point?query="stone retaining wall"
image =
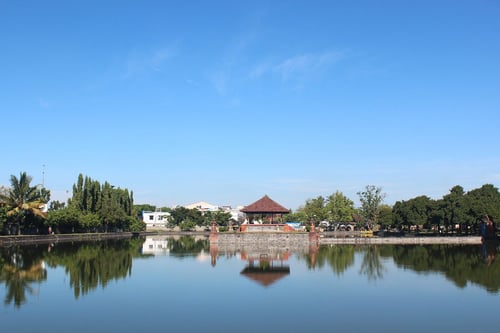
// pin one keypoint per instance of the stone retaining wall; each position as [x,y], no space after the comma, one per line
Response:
[58,238]
[402,240]
[300,239]
[279,239]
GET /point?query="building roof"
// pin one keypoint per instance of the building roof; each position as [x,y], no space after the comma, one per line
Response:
[202,205]
[265,205]
[265,277]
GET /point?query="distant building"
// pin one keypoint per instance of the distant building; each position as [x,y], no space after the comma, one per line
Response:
[203,206]
[155,219]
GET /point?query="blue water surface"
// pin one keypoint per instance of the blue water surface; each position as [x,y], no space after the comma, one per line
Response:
[343,288]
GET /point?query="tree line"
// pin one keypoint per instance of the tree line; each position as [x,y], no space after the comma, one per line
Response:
[338,208]
[102,207]
[458,210]
[93,207]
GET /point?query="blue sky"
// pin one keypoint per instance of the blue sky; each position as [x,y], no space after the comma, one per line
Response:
[225,101]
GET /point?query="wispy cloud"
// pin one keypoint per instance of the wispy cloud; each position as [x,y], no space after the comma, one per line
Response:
[220,82]
[44,104]
[159,57]
[259,70]
[306,64]
[298,67]
[138,63]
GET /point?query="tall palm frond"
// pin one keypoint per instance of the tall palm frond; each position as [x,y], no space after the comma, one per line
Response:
[22,198]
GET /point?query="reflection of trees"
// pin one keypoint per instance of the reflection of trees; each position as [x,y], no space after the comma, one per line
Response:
[92,264]
[20,267]
[187,245]
[88,265]
[372,265]
[337,257]
[460,264]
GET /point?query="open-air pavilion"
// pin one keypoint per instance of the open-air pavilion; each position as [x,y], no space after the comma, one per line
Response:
[265,214]
[266,209]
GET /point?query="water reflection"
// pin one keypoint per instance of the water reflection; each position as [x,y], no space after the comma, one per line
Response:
[89,265]
[266,268]
[372,265]
[460,264]
[21,269]
[175,245]
[264,264]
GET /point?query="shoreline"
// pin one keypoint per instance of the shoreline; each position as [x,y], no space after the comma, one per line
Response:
[403,240]
[324,239]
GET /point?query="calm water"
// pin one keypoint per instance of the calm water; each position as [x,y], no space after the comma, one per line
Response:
[183,285]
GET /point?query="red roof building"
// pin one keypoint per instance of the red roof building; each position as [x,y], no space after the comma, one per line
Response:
[267,207]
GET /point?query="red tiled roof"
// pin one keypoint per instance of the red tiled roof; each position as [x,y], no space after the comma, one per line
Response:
[265,205]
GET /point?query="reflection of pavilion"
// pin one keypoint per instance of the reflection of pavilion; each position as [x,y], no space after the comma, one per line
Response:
[266,268]
[266,264]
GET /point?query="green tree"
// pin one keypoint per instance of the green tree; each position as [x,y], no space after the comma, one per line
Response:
[89,221]
[187,225]
[56,205]
[339,208]
[385,215]
[25,202]
[3,207]
[3,216]
[113,206]
[314,209]
[63,220]
[298,216]
[220,217]
[179,215]
[418,210]
[483,201]
[371,199]
[138,209]
[454,207]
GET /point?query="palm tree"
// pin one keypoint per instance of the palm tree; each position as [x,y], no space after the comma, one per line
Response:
[23,200]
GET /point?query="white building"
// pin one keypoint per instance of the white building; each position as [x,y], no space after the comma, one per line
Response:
[155,219]
[203,206]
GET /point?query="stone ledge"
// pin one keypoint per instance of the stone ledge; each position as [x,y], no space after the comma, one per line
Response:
[402,240]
